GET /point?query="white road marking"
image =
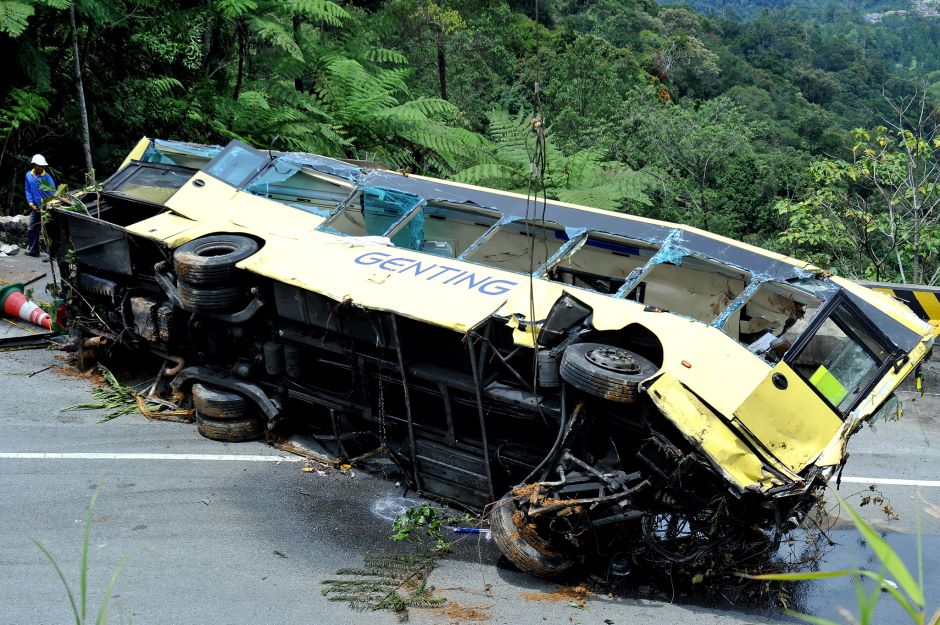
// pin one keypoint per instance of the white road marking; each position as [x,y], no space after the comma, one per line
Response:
[887,481]
[106,456]
[19,455]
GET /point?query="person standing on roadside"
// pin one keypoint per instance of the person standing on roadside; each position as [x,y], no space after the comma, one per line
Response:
[35,193]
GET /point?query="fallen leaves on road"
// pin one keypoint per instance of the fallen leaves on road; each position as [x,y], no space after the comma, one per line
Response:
[459,613]
[575,596]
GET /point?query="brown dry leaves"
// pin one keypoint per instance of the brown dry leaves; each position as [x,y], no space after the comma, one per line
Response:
[572,594]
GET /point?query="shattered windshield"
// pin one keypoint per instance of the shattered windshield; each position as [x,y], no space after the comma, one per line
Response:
[290,183]
[841,359]
[372,213]
[236,164]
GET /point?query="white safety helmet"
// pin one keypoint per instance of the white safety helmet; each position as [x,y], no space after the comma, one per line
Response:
[39,159]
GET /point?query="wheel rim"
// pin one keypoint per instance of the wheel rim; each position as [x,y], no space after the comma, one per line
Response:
[614,359]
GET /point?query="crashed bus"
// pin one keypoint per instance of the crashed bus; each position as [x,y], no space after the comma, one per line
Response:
[599,383]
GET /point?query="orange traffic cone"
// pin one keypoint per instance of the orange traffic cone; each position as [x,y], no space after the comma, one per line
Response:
[15,304]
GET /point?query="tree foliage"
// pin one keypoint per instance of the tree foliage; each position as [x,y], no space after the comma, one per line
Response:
[584,177]
[708,119]
[877,215]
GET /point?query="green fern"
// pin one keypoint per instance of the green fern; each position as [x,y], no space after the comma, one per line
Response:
[489,174]
[582,178]
[253,100]
[383,55]
[432,107]
[14,17]
[337,95]
[97,11]
[32,61]
[165,85]
[25,107]
[385,582]
[277,34]
[236,8]
[324,10]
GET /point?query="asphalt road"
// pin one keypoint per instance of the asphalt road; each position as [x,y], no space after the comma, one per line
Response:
[249,541]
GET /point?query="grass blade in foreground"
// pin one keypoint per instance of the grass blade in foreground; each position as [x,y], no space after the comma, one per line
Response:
[80,615]
[913,603]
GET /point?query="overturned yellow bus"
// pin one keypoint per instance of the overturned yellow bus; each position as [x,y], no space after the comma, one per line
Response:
[600,383]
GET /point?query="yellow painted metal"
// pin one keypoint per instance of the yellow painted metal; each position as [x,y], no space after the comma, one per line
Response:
[690,347]
[173,230]
[928,301]
[260,215]
[794,423]
[203,198]
[136,153]
[238,211]
[327,264]
[704,429]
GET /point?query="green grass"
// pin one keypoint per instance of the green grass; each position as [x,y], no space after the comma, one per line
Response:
[893,578]
[79,603]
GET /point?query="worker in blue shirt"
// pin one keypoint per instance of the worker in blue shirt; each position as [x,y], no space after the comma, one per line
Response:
[39,184]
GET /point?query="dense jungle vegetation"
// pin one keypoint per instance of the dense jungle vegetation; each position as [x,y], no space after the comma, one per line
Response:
[793,125]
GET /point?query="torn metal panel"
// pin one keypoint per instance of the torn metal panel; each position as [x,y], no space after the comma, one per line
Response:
[99,245]
[728,453]
[792,423]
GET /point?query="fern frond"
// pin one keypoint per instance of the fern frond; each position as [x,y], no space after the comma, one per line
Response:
[432,107]
[401,115]
[14,17]
[345,78]
[393,79]
[384,55]
[253,99]
[236,8]
[393,583]
[276,34]
[489,173]
[34,64]
[98,11]
[165,85]
[329,12]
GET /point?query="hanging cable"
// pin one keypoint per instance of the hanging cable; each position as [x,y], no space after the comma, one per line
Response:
[538,164]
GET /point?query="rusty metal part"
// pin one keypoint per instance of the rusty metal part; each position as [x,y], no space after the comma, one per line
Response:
[614,359]
[554,505]
[519,541]
[179,363]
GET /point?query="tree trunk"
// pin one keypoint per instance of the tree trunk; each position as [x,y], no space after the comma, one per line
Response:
[700,180]
[918,224]
[442,64]
[241,29]
[299,81]
[208,25]
[83,111]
